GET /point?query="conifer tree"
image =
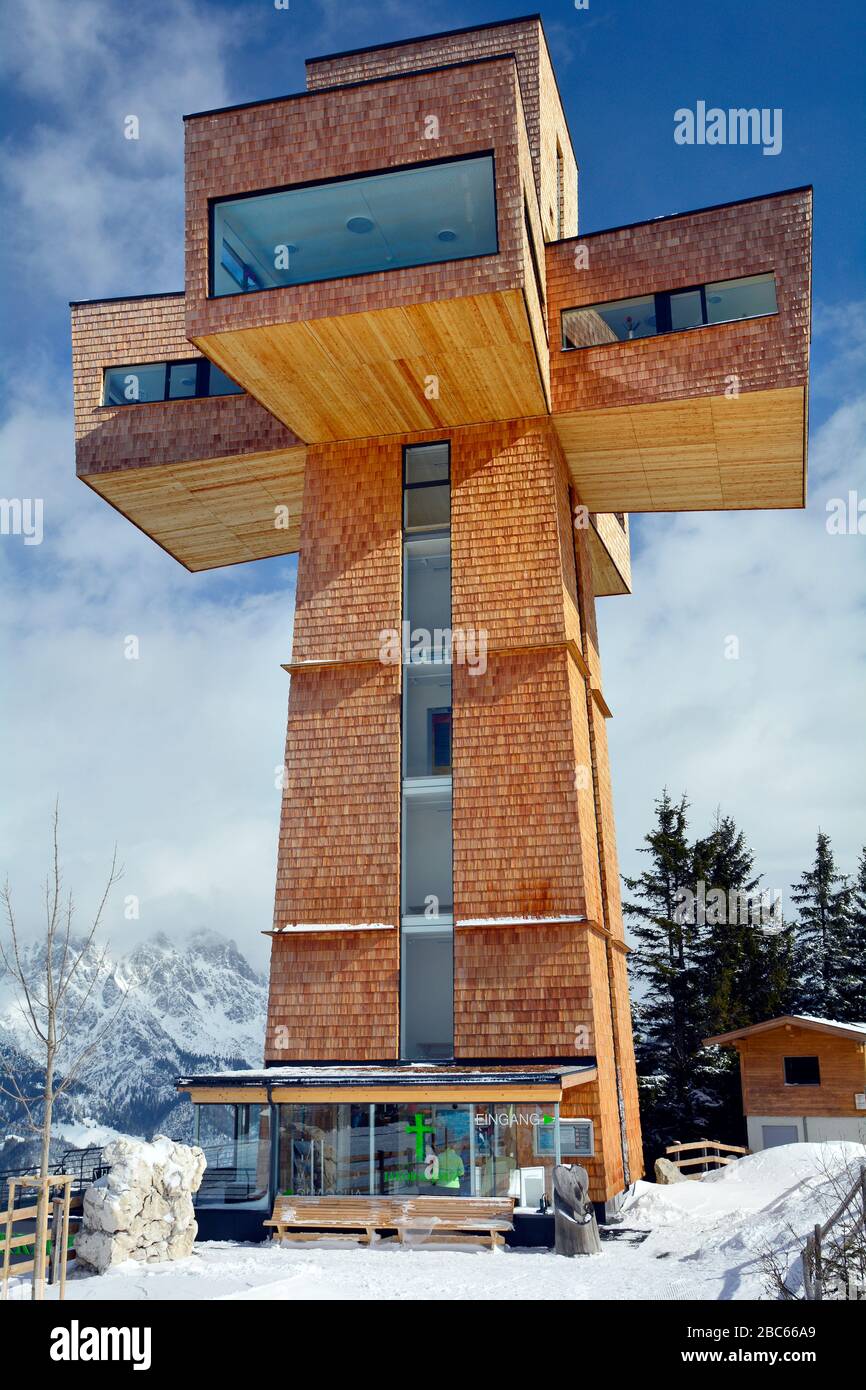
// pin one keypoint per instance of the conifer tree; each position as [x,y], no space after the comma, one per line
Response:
[667,1016]
[855,987]
[744,949]
[823,898]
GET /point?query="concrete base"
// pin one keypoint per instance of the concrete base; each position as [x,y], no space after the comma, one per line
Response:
[810,1129]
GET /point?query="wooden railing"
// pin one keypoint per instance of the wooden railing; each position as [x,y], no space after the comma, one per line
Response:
[712,1154]
[50,1241]
[820,1262]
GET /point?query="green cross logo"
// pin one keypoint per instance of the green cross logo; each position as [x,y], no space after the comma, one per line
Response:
[419,1129]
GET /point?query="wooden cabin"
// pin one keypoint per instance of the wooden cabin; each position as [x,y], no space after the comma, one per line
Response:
[803,1079]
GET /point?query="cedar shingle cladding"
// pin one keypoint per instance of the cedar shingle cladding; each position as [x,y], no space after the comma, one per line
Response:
[842,1063]
[524,991]
[772,233]
[369,128]
[131,332]
[525,834]
[349,578]
[334,995]
[545,119]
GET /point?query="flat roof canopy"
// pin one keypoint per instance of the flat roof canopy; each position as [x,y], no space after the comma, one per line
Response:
[409,1081]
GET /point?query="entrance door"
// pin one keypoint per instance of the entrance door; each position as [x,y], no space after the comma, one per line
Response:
[773,1135]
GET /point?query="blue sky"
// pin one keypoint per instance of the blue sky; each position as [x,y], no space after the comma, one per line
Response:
[174,755]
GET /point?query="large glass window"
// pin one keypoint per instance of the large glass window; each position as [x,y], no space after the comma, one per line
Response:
[609,323]
[324,1150]
[426,487]
[427,599]
[669,311]
[403,217]
[165,381]
[427,947]
[423,1148]
[236,1140]
[427,980]
[427,720]
[427,891]
[457,1148]
[511,1155]
[729,300]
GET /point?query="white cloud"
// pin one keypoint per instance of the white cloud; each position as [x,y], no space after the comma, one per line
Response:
[775,737]
[173,755]
[98,213]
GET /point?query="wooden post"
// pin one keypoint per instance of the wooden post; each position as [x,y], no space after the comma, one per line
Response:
[56,1221]
[806,1260]
[67,1191]
[819,1292]
[40,1239]
[7,1247]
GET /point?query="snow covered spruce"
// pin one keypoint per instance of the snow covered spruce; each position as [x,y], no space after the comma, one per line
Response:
[142,1208]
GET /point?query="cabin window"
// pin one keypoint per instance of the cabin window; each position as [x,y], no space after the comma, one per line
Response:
[414,216]
[669,311]
[802,1071]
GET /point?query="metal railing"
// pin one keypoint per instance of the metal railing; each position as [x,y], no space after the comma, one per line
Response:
[85,1165]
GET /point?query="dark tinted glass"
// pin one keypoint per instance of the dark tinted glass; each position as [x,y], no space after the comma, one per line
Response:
[802,1071]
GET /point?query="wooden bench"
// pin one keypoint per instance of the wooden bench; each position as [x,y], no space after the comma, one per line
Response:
[444,1220]
[457,1220]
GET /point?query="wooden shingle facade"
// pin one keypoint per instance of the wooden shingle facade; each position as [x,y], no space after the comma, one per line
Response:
[409,407]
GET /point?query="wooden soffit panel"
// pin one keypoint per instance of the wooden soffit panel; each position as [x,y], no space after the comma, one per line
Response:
[391,371]
[709,453]
[213,1095]
[606,578]
[214,512]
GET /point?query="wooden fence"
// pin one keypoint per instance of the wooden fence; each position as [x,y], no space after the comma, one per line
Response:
[822,1264]
[712,1155]
[40,1248]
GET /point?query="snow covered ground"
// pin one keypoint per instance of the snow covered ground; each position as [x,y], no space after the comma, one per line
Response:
[694,1240]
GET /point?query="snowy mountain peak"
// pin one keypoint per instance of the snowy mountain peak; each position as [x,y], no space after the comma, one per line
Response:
[185,1005]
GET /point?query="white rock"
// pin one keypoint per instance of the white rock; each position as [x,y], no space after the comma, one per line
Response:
[142,1209]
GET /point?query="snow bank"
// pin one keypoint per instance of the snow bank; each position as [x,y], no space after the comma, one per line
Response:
[790,1173]
[765,1202]
[142,1209]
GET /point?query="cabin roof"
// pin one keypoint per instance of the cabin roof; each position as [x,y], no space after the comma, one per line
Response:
[856,1031]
